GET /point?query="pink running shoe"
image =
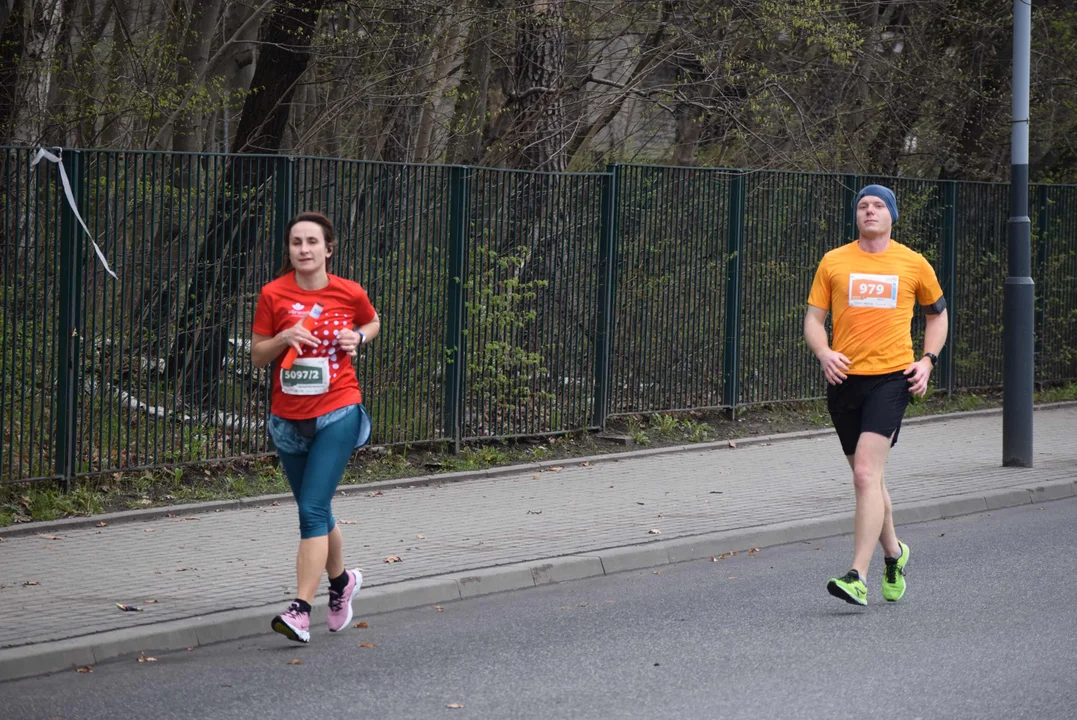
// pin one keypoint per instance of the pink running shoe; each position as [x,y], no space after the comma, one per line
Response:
[340,604]
[293,624]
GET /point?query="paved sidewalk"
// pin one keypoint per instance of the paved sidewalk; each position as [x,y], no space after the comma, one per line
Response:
[198,565]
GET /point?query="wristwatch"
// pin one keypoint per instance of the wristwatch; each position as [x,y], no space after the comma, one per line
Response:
[362,337]
[933,358]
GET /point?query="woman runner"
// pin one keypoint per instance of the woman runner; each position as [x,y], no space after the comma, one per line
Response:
[317,417]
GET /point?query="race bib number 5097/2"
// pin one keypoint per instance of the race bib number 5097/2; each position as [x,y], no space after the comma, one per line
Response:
[866,290]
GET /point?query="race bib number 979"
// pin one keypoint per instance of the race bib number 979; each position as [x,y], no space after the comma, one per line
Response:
[866,290]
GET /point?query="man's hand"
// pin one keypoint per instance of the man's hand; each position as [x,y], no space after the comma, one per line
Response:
[918,374]
[835,366]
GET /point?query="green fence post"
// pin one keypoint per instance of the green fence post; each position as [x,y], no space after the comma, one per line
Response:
[1043,250]
[948,261]
[456,311]
[607,259]
[733,294]
[67,330]
[283,204]
[849,183]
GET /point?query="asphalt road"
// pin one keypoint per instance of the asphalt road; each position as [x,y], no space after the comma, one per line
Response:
[988,629]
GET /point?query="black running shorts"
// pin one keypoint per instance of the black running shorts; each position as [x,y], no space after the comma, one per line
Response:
[868,403]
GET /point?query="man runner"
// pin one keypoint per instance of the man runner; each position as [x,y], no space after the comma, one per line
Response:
[871,285]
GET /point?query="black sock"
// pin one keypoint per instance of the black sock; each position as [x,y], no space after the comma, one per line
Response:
[304,606]
[338,584]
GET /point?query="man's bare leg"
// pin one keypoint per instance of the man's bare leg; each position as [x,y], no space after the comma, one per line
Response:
[871,505]
[888,537]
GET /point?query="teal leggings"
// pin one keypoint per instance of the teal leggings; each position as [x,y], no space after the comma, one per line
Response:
[315,474]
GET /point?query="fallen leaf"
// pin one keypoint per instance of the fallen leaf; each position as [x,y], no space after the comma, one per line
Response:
[102,524]
[716,492]
[609,487]
[732,444]
[534,512]
[86,669]
[659,514]
[191,517]
[420,537]
[295,662]
[149,530]
[375,493]
[942,534]
[732,577]
[638,503]
[143,659]
[656,572]
[50,537]
[361,625]
[347,522]
[151,602]
[654,532]
[275,503]
[556,468]
[723,557]
[145,501]
[438,608]
[714,559]
[817,548]
[128,608]
[1,539]
[455,706]
[394,559]
[29,583]
[534,477]
[587,464]
[368,645]
[733,553]
[753,551]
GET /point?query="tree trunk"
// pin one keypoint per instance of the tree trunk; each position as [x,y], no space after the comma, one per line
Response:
[222,260]
[42,35]
[204,15]
[539,134]
[11,39]
[469,114]
[448,50]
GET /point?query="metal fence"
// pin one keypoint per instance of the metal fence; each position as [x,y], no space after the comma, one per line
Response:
[514,303]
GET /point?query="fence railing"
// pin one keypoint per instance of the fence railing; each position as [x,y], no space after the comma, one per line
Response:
[514,303]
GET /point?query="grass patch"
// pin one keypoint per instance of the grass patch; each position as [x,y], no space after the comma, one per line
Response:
[94,495]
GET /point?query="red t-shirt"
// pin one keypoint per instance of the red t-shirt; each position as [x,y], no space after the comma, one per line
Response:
[345,305]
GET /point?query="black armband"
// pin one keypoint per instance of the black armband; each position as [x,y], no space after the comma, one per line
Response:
[936,307]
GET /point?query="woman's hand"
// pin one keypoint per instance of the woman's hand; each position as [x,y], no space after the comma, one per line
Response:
[297,337]
[349,341]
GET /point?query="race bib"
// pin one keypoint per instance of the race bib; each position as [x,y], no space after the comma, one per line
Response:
[878,291]
[307,376]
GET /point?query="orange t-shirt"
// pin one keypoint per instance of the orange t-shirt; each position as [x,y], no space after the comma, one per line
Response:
[871,297]
[345,305]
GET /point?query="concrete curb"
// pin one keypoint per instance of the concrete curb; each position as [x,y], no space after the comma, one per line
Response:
[53,526]
[31,660]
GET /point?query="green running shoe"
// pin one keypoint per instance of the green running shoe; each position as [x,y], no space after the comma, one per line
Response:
[894,575]
[849,588]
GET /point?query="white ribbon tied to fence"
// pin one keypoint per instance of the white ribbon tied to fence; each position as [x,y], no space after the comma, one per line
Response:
[43,153]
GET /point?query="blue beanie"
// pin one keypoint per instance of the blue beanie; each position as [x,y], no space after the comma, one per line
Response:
[883,193]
